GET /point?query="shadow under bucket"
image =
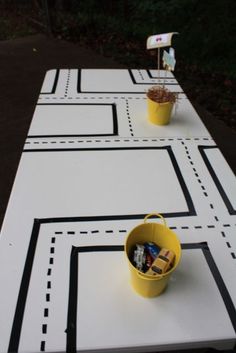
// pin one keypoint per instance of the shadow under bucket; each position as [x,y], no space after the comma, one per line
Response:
[148,285]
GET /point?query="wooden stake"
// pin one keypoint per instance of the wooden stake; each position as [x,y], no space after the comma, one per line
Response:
[158,62]
[164,77]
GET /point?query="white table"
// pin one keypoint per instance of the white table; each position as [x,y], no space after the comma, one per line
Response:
[91,168]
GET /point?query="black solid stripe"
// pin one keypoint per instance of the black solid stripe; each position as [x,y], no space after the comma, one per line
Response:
[54,83]
[21,301]
[115,120]
[220,188]
[184,188]
[72,304]
[221,286]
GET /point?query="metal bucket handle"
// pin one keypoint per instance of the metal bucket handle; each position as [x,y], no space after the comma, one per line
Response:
[157,215]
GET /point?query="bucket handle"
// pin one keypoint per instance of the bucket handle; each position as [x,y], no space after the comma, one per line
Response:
[157,215]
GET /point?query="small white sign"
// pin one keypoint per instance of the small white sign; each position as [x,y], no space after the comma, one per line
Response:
[160,40]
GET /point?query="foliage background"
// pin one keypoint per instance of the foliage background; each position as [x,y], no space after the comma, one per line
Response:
[207,28]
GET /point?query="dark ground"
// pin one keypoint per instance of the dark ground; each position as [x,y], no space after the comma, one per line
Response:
[23,63]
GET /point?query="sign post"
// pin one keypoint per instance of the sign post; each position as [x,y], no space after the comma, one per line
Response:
[158,41]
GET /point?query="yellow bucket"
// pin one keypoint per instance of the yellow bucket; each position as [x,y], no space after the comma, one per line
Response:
[159,113]
[147,285]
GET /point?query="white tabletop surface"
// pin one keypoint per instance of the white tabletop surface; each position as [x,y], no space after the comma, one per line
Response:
[91,169]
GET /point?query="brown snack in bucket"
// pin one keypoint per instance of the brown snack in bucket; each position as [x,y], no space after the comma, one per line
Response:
[161,95]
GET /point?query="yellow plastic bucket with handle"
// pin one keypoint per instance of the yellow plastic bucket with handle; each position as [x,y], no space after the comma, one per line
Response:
[148,285]
[159,113]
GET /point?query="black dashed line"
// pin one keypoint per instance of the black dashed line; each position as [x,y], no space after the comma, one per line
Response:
[52,250]
[71,232]
[49,285]
[185,227]
[49,272]
[223,234]
[211,206]
[211,226]
[228,244]
[194,169]
[198,227]
[199,181]
[205,193]
[129,118]
[203,187]
[141,75]
[217,219]
[58,233]
[46,312]
[94,231]
[109,231]
[53,240]
[83,232]
[48,297]
[51,261]
[173,227]
[191,163]
[233,255]
[196,173]
[44,328]
[122,231]
[42,346]
[226,225]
